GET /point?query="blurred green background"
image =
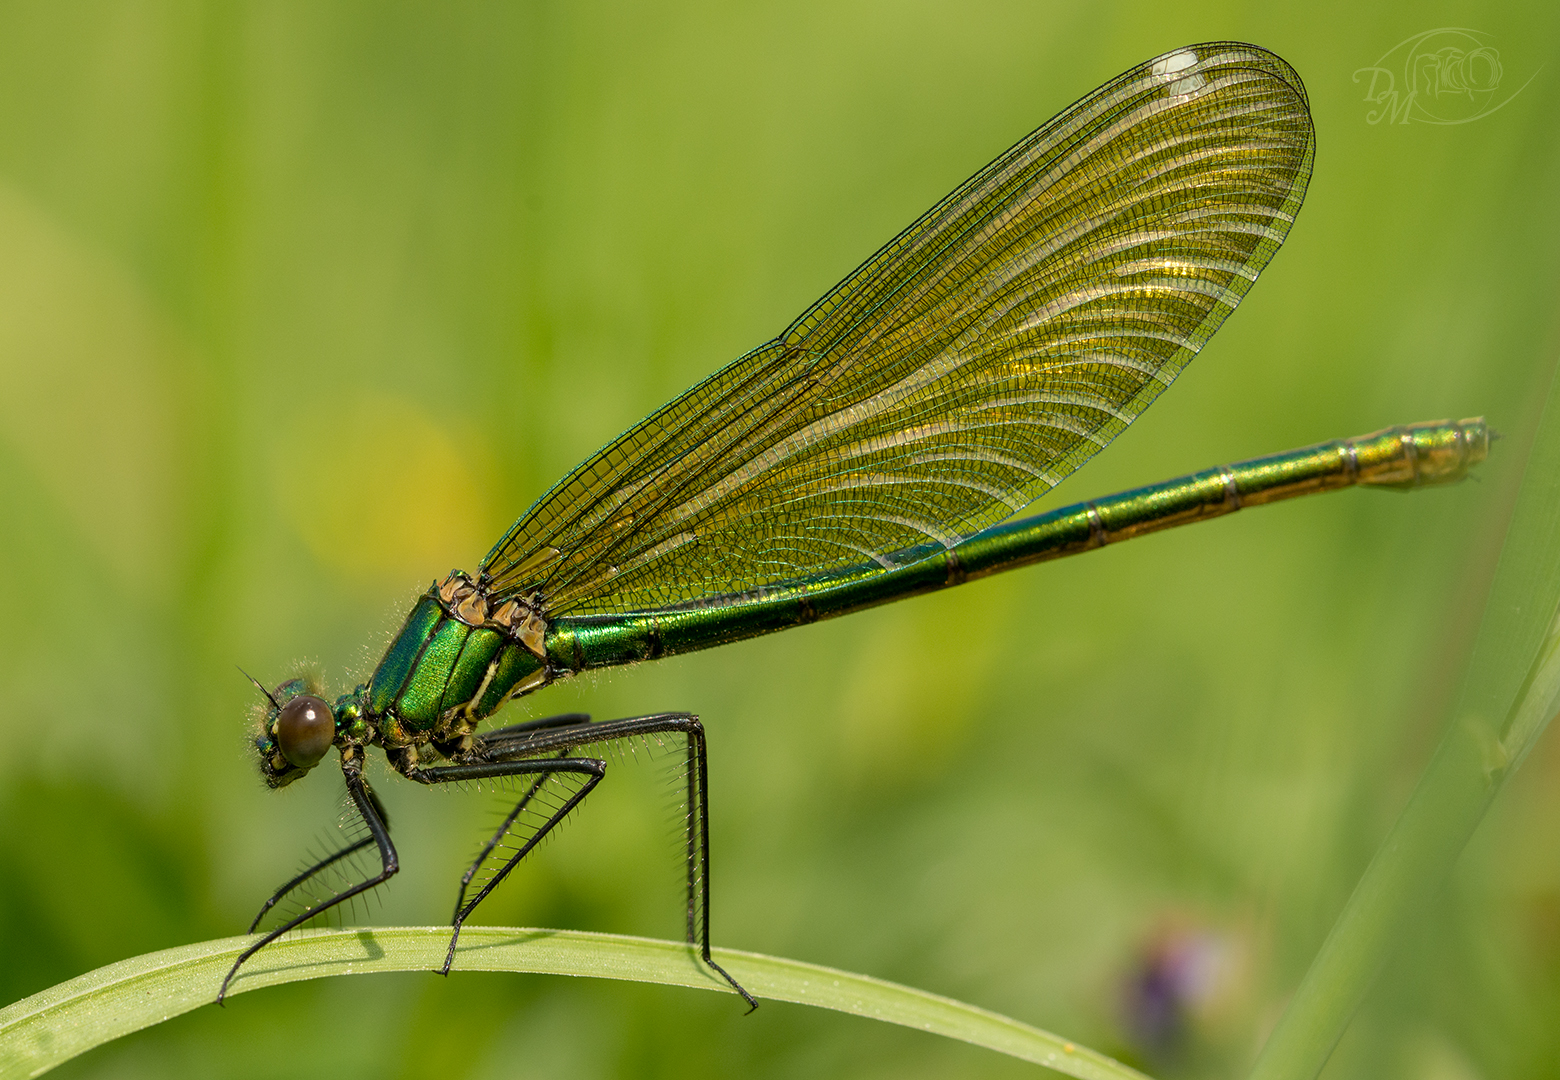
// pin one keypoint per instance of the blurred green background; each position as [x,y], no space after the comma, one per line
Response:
[301,304]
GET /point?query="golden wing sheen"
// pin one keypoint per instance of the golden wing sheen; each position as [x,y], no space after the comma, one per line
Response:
[962,371]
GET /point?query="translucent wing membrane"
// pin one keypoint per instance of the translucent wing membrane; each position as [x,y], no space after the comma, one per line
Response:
[962,371]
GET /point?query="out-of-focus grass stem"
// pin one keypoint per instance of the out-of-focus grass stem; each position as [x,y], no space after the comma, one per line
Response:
[1512,692]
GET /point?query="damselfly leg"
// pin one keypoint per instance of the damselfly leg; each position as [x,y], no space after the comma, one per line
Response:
[326,863]
[543,750]
[372,815]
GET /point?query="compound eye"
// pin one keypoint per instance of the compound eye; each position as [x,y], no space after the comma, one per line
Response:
[305,728]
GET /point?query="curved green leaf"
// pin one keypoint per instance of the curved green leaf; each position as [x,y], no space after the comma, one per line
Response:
[40,1032]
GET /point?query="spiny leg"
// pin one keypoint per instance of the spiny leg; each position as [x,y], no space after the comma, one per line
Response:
[488,748]
[325,863]
[588,770]
[368,808]
[497,838]
[552,738]
[531,727]
[699,862]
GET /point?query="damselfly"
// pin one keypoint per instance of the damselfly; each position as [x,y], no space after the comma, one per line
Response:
[868,453]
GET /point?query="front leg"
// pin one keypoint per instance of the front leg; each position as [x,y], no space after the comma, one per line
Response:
[325,863]
[368,808]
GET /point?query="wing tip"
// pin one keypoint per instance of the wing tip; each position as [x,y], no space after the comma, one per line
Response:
[1179,64]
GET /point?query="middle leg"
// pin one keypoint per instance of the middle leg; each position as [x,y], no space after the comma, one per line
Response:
[546,749]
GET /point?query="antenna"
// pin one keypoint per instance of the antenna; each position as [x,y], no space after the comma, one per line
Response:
[259,686]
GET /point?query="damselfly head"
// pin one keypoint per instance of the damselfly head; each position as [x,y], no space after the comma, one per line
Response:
[297,730]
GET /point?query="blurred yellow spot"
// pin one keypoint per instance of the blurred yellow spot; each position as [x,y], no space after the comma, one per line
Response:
[378,490]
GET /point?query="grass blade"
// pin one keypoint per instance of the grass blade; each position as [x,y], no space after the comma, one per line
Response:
[40,1032]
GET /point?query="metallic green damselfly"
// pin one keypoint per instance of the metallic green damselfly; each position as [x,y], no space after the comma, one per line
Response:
[870,452]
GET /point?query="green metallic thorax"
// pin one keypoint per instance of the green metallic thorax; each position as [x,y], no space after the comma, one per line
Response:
[442,676]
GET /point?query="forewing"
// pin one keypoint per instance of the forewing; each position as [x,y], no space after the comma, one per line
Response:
[962,371]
